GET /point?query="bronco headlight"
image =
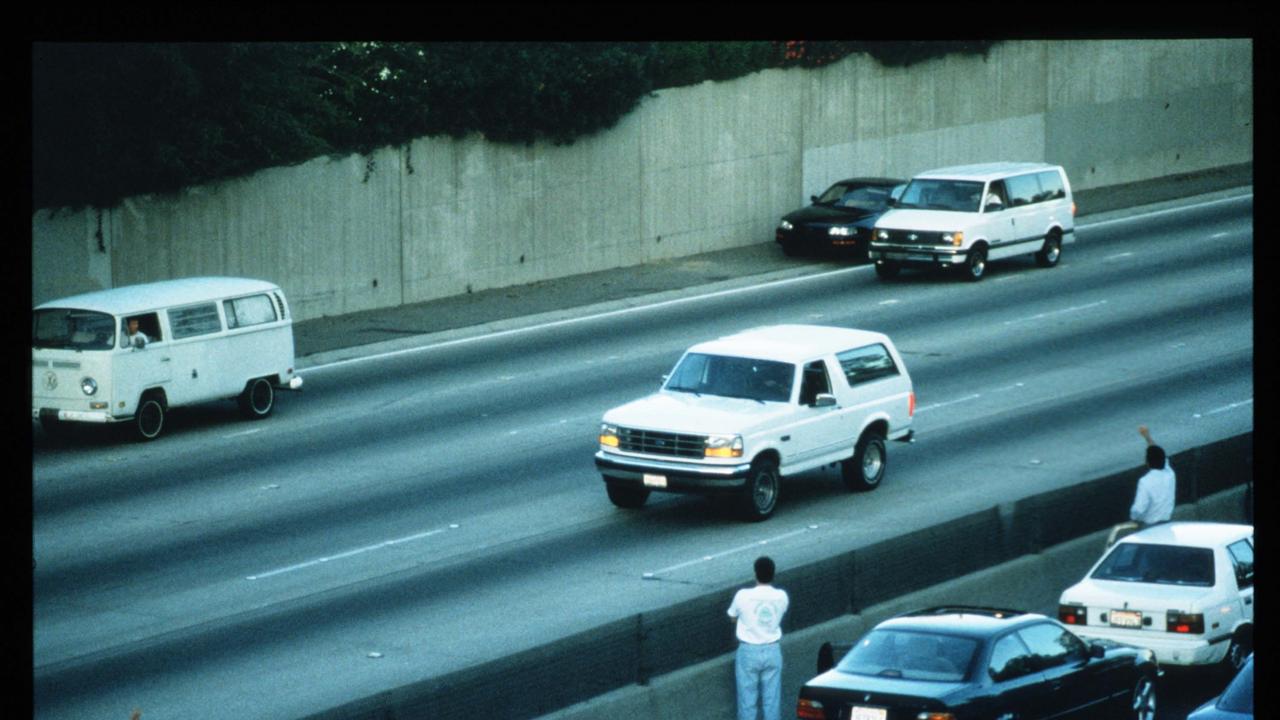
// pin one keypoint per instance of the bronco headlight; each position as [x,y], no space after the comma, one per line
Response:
[784,225]
[609,435]
[840,231]
[955,238]
[88,385]
[723,446]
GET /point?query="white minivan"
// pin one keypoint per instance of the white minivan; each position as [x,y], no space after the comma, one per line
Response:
[129,354]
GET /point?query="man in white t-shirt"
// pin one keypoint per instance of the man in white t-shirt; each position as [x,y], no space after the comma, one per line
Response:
[1156,494]
[758,613]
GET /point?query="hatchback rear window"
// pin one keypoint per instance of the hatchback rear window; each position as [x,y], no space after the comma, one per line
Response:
[1159,564]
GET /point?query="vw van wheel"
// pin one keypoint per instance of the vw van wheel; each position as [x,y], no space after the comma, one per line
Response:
[887,270]
[1143,706]
[622,496]
[865,469]
[762,490]
[976,266]
[258,399]
[1051,253]
[149,421]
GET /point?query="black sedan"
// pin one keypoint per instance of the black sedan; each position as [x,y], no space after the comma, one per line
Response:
[839,219]
[965,663]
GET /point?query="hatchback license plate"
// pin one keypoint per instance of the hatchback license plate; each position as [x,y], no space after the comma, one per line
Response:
[1126,618]
[655,481]
[858,712]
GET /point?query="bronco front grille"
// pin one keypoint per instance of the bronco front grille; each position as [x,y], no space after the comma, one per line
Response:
[652,442]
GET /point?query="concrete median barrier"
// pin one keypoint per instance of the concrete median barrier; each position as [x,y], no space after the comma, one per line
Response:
[678,662]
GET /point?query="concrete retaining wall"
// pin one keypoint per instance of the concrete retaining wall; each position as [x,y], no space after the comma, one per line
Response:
[692,169]
[678,663]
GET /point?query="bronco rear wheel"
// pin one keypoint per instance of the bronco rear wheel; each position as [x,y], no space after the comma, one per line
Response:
[865,469]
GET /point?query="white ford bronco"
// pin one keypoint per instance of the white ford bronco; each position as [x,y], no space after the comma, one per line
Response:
[738,413]
[963,216]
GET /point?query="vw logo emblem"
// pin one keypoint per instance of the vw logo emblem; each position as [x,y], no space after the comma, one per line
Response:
[50,380]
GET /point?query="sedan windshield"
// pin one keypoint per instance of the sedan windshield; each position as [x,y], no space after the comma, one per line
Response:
[72,329]
[1161,564]
[762,380]
[872,198]
[958,195]
[910,656]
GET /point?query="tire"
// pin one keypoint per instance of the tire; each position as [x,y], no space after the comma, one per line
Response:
[865,470]
[148,422]
[1142,702]
[887,270]
[760,497]
[628,498]
[975,267]
[1051,253]
[258,399]
[1237,652]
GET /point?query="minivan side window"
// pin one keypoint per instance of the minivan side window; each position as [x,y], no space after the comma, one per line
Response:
[246,311]
[194,320]
[865,364]
[1023,189]
[1051,186]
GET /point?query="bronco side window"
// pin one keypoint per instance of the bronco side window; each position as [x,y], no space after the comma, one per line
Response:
[815,382]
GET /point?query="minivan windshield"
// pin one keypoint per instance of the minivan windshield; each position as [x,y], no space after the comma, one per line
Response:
[957,195]
[736,377]
[70,329]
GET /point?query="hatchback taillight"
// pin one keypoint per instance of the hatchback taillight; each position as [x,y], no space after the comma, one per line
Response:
[1073,615]
[1177,621]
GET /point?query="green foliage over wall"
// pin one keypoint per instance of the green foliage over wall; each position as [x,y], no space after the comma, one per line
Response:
[110,120]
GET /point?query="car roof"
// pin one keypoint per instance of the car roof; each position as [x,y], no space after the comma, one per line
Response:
[984,171]
[968,621]
[157,295]
[1194,534]
[789,343]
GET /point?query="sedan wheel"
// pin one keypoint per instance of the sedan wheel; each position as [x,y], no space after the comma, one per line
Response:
[1144,700]
[762,490]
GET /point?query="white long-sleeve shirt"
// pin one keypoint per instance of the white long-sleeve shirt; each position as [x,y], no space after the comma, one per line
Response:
[1153,502]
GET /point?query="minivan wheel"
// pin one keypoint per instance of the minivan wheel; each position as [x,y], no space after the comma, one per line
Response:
[149,420]
[1051,252]
[865,469]
[761,493]
[258,399]
[1143,701]
[626,497]
[976,265]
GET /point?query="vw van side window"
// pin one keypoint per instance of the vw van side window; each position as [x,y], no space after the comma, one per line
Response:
[862,365]
[246,311]
[146,324]
[1023,190]
[194,320]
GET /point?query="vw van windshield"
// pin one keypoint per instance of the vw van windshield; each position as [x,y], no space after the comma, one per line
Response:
[70,329]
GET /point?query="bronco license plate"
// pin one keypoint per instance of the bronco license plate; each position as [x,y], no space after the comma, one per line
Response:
[655,481]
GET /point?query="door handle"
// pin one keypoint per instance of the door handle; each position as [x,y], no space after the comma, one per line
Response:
[164,359]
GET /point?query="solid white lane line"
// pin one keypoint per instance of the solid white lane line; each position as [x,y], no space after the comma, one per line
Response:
[935,406]
[731,551]
[350,553]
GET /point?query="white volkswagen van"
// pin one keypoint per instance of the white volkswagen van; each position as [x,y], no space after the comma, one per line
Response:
[193,340]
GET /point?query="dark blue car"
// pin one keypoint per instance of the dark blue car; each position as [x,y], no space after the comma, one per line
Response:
[1235,703]
[967,663]
[839,219]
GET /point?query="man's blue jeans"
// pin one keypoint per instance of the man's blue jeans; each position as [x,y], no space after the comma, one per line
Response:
[758,669]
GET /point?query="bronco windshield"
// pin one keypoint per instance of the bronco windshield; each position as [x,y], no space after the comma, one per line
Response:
[70,329]
[736,377]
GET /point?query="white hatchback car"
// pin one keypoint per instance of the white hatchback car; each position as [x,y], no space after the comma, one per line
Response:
[1181,589]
